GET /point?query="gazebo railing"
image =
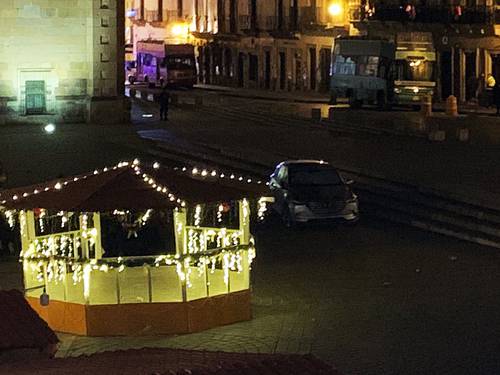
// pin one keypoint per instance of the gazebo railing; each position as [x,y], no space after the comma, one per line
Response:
[202,239]
[149,279]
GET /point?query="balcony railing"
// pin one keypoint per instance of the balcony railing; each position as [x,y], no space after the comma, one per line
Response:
[152,16]
[274,23]
[445,14]
[147,279]
[244,22]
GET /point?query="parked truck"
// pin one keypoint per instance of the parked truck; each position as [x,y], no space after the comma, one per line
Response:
[415,62]
[385,72]
[161,64]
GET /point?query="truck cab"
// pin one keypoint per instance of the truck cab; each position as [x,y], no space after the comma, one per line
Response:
[414,67]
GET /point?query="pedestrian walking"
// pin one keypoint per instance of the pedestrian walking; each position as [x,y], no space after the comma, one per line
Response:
[496,97]
[164,102]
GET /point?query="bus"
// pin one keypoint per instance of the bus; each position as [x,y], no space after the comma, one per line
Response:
[361,71]
[382,71]
[162,64]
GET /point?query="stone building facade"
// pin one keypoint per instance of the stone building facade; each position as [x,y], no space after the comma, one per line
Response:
[281,45]
[269,44]
[62,61]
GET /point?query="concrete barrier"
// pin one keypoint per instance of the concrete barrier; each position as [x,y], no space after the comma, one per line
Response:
[437,135]
[426,106]
[463,135]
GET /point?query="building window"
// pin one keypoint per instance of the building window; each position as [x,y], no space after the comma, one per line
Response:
[253,68]
[35,97]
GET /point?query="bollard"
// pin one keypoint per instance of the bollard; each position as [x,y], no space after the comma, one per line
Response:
[330,114]
[426,106]
[451,106]
[316,114]
[437,135]
[463,135]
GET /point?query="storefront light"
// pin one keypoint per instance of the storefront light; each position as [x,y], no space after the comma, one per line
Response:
[180,30]
[335,9]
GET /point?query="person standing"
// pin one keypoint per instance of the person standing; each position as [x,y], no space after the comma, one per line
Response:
[490,81]
[164,102]
[490,85]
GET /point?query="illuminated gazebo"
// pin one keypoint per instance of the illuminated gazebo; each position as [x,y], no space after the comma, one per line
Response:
[198,276]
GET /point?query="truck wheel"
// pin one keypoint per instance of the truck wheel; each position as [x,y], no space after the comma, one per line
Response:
[131,80]
[381,100]
[355,103]
[286,218]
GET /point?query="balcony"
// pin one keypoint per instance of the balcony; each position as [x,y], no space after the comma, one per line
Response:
[444,14]
[152,16]
[278,24]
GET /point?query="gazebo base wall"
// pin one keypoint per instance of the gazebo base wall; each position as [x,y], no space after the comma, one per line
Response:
[145,318]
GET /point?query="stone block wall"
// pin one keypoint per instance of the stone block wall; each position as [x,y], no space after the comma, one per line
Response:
[57,57]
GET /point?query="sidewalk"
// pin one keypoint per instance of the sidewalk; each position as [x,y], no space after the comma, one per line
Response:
[291,96]
[324,98]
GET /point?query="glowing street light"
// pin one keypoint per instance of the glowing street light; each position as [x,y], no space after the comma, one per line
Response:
[335,9]
[49,128]
[180,30]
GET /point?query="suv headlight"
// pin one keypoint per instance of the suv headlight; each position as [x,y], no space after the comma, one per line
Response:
[397,90]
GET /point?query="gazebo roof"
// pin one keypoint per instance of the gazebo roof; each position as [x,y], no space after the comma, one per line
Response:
[133,186]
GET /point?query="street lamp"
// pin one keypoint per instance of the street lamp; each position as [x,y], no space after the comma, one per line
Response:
[335,9]
[180,30]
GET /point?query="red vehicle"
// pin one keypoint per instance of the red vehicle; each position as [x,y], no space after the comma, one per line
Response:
[171,64]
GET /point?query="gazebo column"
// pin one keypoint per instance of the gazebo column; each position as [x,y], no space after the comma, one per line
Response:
[180,218]
[27,225]
[98,243]
[244,216]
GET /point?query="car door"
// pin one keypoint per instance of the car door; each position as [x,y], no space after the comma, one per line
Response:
[279,187]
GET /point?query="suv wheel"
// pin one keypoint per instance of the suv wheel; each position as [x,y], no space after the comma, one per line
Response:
[287,219]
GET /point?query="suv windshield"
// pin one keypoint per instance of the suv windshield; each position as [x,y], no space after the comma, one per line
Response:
[314,175]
